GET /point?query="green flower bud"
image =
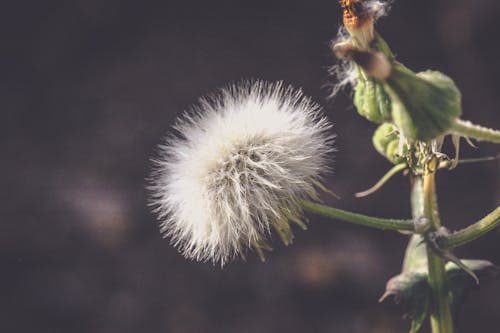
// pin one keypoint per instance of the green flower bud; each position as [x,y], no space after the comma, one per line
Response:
[425,105]
[386,142]
[371,100]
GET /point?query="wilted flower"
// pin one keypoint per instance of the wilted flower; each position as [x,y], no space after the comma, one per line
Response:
[241,164]
[359,17]
[370,97]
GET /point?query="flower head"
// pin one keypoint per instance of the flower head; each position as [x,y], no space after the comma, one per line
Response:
[240,165]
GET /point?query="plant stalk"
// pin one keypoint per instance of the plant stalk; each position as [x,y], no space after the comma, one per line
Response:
[441,317]
[416,252]
[480,133]
[474,231]
[360,219]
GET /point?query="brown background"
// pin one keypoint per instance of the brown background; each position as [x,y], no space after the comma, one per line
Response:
[88,88]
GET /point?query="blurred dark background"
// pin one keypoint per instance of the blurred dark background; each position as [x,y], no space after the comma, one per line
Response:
[88,88]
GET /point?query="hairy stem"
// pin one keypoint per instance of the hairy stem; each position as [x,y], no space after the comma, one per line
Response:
[478,229]
[477,132]
[441,317]
[368,221]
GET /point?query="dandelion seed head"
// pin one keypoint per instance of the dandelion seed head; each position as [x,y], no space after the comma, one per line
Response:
[242,161]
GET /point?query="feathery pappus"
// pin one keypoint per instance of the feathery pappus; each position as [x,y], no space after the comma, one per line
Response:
[238,167]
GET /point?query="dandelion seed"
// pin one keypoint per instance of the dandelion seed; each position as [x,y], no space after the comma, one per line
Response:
[240,165]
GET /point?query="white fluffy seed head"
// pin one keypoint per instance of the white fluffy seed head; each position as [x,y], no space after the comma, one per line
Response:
[239,166]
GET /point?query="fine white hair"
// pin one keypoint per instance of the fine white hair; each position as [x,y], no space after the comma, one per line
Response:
[344,72]
[379,8]
[239,165]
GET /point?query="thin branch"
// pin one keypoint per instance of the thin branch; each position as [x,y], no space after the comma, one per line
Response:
[368,221]
[448,164]
[480,133]
[478,229]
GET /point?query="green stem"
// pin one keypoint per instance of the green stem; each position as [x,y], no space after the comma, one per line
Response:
[416,252]
[480,133]
[441,317]
[447,164]
[478,229]
[368,221]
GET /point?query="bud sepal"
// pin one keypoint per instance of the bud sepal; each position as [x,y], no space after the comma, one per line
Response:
[426,105]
